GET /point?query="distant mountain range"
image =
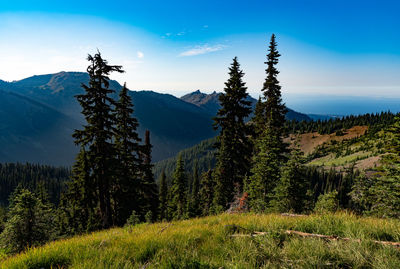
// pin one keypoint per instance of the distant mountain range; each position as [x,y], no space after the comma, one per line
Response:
[210,103]
[38,115]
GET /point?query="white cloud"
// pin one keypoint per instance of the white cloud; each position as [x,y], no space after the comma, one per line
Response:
[140,54]
[198,50]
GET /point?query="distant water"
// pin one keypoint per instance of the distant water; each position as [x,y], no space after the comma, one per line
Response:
[341,105]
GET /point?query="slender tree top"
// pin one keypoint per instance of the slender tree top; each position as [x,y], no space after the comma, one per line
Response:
[275,110]
[235,106]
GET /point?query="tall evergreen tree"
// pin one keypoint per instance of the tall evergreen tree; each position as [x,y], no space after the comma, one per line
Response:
[97,134]
[149,190]
[206,195]
[178,191]
[233,158]
[275,110]
[269,147]
[162,198]
[127,182]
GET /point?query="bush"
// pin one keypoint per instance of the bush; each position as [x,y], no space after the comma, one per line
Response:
[133,219]
[327,202]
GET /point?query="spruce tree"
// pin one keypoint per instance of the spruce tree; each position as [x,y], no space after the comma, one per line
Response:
[127,182]
[29,223]
[206,195]
[79,203]
[178,191]
[275,110]
[258,119]
[98,132]
[291,193]
[269,147]
[194,203]
[148,186]
[234,152]
[162,198]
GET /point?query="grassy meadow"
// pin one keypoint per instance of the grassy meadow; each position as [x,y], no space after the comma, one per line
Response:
[207,243]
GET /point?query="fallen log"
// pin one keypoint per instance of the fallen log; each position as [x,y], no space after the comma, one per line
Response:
[292,215]
[321,236]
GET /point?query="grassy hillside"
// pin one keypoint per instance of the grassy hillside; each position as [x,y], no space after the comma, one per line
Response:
[208,243]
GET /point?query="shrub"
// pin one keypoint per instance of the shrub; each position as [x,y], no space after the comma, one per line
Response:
[327,202]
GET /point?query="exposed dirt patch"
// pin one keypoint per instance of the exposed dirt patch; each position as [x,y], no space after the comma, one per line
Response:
[309,141]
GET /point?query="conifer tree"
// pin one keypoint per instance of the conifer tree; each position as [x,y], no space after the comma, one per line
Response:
[178,191]
[126,185]
[269,147]
[194,203]
[148,187]
[291,193]
[97,134]
[258,119]
[275,110]
[29,223]
[234,153]
[80,202]
[206,195]
[163,195]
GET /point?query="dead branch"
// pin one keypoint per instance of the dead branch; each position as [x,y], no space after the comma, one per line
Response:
[164,228]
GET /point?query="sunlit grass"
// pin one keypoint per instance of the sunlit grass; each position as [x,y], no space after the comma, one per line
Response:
[206,243]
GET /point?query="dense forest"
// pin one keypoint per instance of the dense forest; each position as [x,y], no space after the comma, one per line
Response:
[249,166]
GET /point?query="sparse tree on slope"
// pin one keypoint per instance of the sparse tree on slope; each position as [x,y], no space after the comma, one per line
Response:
[233,158]
[163,195]
[194,203]
[148,187]
[178,191]
[206,195]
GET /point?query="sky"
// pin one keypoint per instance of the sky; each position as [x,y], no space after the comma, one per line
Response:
[342,48]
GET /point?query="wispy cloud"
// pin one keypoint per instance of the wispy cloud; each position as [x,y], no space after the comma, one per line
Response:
[204,49]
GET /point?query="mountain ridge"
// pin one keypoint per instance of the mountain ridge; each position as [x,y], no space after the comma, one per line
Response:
[174,123]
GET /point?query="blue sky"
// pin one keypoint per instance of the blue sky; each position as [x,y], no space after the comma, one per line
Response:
[328,47]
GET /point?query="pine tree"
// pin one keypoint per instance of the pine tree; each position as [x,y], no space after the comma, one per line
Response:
[291,193]
[275,110]
[126,185]
[178,191]
[29,223]
[163,195]
[96,136]
[79,203]
[194,203]
[269,147]
[233,158]
[265,172]
[258,119]
[206,195]
[148,187]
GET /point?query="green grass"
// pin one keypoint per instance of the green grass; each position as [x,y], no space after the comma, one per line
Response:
[206,243]
[331,160]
